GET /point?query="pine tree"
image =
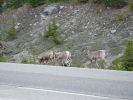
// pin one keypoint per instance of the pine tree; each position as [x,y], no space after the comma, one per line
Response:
[11,30]
[51,33]
[127,61]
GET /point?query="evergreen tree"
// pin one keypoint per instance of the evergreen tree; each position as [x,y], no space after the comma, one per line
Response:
[11,30]
[127,61]
[1,2]
[51,33]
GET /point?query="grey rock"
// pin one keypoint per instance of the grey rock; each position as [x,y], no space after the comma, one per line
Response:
[51,9]
[112,31]
[61,7]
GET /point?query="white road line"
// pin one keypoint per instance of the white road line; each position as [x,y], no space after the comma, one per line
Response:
[68,93]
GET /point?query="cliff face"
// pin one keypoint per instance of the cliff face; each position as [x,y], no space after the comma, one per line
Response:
[82,27]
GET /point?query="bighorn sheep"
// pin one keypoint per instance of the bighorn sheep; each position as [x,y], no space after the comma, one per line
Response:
[2,45]
[95,55]
[46,56]
[64,56]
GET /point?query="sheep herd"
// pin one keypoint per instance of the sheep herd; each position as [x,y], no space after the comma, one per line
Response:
[66,58]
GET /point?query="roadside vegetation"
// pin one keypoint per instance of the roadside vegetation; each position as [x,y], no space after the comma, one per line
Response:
[30,59]
[126,61]
[2,58]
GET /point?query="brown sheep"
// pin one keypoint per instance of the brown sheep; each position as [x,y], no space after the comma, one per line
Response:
[64,56]
[46,56]
[95,55]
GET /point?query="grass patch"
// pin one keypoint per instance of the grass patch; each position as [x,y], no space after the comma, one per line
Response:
[11,29]
[2,58]
[120,16]
[98,10]
[28,60]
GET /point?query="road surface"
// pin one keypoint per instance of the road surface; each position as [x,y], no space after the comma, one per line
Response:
[31,82]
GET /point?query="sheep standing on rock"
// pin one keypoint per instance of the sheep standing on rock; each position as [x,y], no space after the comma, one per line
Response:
[95,55]
[46,56]
[64,56]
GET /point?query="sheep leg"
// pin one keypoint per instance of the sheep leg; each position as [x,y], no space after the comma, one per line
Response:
[46,61]
[57,61]
[97,64]
[91,61]
[68,64]
[41,61]
[70,61]
[52,59]
[63,64]
[104,63]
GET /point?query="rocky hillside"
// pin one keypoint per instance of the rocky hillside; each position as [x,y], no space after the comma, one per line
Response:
[82,27]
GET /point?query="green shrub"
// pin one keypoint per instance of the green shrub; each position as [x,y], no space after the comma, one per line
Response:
[97,1]
[36,3]
[28,60]
[0,8]
[116,64]
[24,60]
[130,5]
[127,60]
[120,16]
[19,3]
[52,34]
[111,3]
[11,29]
[98,10]
[115,3]
[2,58]
[53,1]
[14,3]
[115,67]
[1,3]
[34,51]
[83,1]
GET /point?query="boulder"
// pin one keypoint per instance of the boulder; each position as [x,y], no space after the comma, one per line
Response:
[51,9]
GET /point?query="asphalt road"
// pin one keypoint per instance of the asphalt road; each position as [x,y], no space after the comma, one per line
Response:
[17,80]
